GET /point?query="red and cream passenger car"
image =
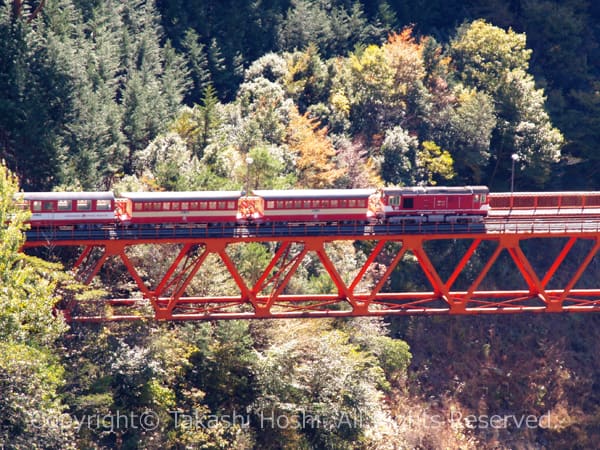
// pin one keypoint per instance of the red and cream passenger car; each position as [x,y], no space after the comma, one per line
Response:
[63,209]
[308,205]
[134,208]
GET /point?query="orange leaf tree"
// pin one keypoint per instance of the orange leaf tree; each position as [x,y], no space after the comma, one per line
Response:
[315,152]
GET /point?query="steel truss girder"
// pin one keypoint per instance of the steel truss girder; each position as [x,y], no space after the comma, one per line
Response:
[268,296]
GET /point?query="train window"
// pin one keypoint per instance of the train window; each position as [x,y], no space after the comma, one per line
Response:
[166,206]
[394,200]
[194,205]
[270,204]
[476,198]
[221,205]
[23,205]
[289,204]
[298,204]
[157,206]
[175,205]
[483,198]
[103,205]
[334,203]
[84,205]
[230,205]
[212,205]
[64,205]
[408,202]
[306,203]
[185,206]
[203,205]
[137,206]
[351,203]
[37,205]
[280,204]
[324,203]
[343,203]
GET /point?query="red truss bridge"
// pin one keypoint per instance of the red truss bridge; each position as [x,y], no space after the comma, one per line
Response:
[533,253]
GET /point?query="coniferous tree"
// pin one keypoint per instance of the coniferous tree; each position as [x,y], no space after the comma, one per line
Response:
[35,97]
[95,148]
[147,104]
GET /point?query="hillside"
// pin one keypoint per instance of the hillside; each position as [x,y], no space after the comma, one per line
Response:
[177,95]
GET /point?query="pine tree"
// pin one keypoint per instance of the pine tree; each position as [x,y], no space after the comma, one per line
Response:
[35,96]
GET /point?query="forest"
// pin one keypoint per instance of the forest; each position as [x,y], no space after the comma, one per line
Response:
[177,95]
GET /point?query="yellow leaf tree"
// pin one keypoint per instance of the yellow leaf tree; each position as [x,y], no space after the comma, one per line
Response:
[315,152]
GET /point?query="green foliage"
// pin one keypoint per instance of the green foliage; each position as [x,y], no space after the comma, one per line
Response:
[30,408]
[433,162]
[169,161]
[31,412]
[91,92]
[312,371]
[221,366]
[307,79]
[496,62]
[29,284]
[197,60]
[333,29]
[268,169]
[484,54]
[36,91]
[471,124]
[399,151]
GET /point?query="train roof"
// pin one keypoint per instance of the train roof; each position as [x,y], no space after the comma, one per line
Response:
[312,193]
[67,195]
[181,196]
[420,190]
[545,193]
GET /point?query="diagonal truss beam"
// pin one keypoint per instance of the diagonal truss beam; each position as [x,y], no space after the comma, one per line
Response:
[173,297]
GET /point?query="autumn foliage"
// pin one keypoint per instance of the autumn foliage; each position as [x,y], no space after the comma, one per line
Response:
[315,152]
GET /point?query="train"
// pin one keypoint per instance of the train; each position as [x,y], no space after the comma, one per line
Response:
[468,204]
[546,203]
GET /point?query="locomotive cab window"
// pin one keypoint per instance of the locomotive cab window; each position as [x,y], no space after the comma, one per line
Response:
[476,198]
[37,205]
[408,202]
[394,200]
[483,198]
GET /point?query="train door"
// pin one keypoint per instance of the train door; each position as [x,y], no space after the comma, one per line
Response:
[454,202]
